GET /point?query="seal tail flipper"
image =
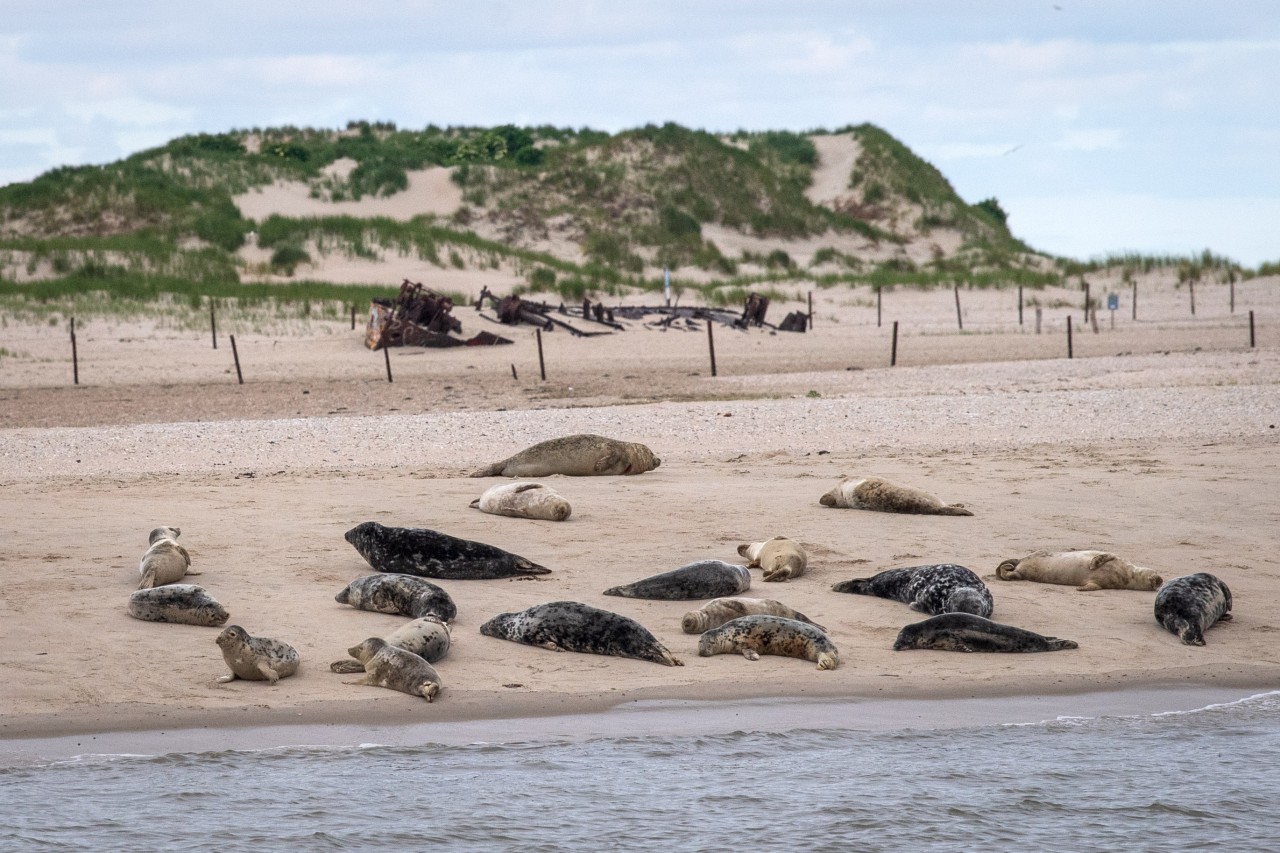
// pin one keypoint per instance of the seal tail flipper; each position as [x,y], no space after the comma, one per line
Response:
[148,580]
[1006,570]
[826,660]
[494,470]
[527,567]
[475,504]
[1053,644]
[346,665]
[953,509]
[857,586]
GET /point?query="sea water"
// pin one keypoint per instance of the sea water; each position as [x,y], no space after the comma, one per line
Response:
[1201,779]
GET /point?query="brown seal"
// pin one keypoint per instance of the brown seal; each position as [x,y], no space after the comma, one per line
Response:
[524,500]
[720,610]
[770,635]
[581,455]
[1086,570]
[879,495]
[255,658]
[394,668]
[780,558]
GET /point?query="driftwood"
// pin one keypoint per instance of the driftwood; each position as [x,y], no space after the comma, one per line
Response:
[513,310]
[419,316]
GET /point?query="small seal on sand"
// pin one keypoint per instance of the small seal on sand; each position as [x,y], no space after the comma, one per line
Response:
[569,626]
[427,637]
[879,495]
[703,579]
[1190,605]
[781,558]
[942,588]
[524,500]
[582,455]
[1086,570]
[770,635]
[720,610]
[394,668]
[964,632]
[185,603]
[255,658]
[431,554]
[403,594]
[165,561]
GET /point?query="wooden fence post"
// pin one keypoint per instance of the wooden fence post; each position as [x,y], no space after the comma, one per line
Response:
[711,345]
[959,319]
[75,359]
[542,365]
[1069,353]
[235,354]
[213,324]
[893,353]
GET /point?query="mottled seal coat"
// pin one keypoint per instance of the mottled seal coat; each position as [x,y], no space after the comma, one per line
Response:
[255,658]
[427,637]
[582,455]
[524,500]
[703,579]
[1192,604]
[185,603]
[431,554]
[964,632]
[569,626]
[780,558]
[394,668]
[720,610]
[942,588]
[770,635]
[403,594]
[165,561]
[1088,571]
[166,532]
[880,495]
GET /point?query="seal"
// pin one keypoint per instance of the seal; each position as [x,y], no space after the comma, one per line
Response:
[701,579]
[936,589]
[165,561]
[1088,571]
[1192,604]
[720,610]
[770,635]
[880,495]
[184,603]
[781,558]
[581,455]
[965,632]
[427,637]
[524,500]
[255,658]
[431,554]
[570,626]
[405,595]
[394,668]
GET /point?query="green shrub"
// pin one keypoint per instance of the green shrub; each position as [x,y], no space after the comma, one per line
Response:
[287,258]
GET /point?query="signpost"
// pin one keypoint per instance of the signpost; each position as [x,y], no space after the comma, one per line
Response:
[1113,302]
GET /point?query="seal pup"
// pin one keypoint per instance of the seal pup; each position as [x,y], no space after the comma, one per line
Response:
[1088,571]
[431,554]
[255,658]
[581,455]
[720,610]
[166,532]
[524,500]
[394,668]
[781,558]
[165,561]
[936,589]
[701,579]
[570,626]
[964,632]
[405,595]
[770,635]
[184,603]
[1192,604]
[427,637]
[880,495]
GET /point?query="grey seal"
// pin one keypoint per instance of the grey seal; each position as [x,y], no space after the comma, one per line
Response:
[702,579]
[394,668]
[165,561]
[1088,571]
[255,658]
[524,500]
[431,554]
[581,455]
[570,626]
[427,637]
[1192,604]
[964,632]
[720,610]
[770,635]
[880,495]
[406,595]
[780,558]
[935,589]
[184,603]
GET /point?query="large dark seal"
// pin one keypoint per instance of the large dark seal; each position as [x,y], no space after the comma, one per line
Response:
[703,579]
[582,455]
[403,594]
[964,632]
[255,658]
[1088,571]
[431,554]
[943,588]
[427,637]
[394,668]
[879,495]
[720,610]
[569,626]
[770,635]
[184,603]
[1192,604]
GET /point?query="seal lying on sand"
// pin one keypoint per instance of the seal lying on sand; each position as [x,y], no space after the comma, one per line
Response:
[964,632]
[1190,605]
[703,579]
[569,626]
[431,554]
[879,495]
[255,658]
[427,637]
[394,668]
[582,455]
[1086,570]
[770,635]
[720,610]
[942,588]
[524,500]
[781,558]
[165,561]
[177,602]
[405,595]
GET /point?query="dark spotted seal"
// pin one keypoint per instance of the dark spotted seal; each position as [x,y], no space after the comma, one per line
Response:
[1087,571]
[394,668]
[427,637]
[879,495]
[779,558]
[569,626]
[177,602]
[403,594]
[255,658]
[703,579]
[524,500]
[1192,604]
[770,635]
[720,610]
[942,588]
[964,632]
[582,455]
[431,554]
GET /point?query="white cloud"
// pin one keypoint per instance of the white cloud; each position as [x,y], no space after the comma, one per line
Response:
[129,111]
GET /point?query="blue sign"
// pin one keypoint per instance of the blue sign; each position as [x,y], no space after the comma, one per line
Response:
[1113,301]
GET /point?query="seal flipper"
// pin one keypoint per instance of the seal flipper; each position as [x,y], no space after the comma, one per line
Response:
[494,470]
[148,580]
[953,509]
[346,665]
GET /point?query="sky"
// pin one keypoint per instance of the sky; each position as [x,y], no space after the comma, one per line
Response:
[1101,126]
